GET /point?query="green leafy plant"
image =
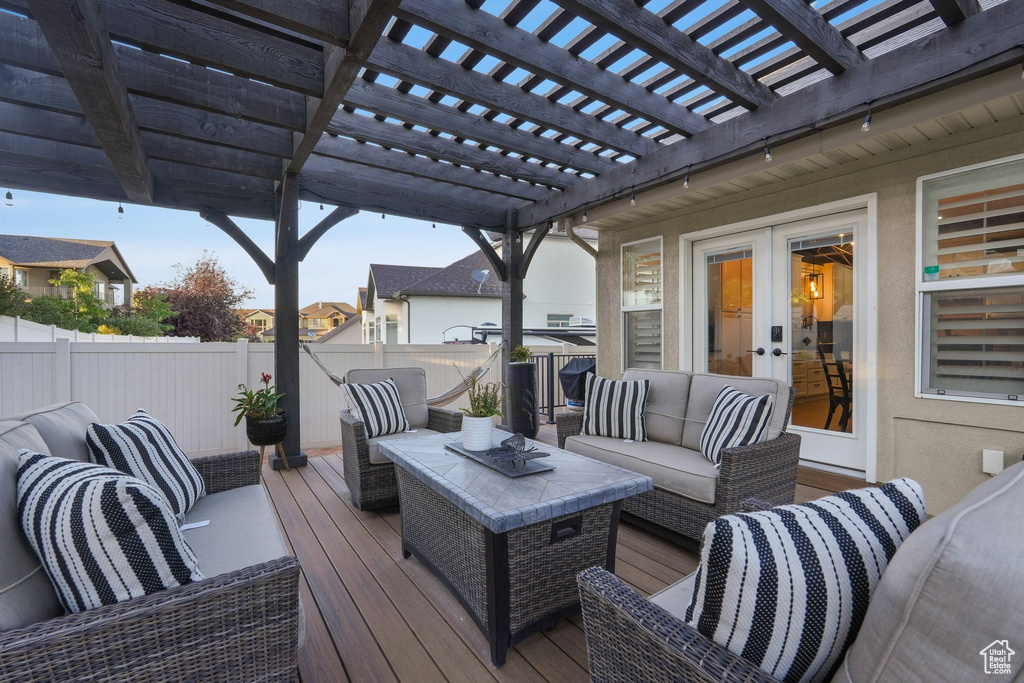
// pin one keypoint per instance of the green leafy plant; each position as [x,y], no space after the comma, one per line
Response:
[484,399]
[12,298]
[520,354]
[258,404]
[87,307]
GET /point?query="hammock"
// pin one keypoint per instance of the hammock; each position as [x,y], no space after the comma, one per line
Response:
[437,401]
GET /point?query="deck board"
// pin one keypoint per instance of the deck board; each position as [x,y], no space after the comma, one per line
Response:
[373,616]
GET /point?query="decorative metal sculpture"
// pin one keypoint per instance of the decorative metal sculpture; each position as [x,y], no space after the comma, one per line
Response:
[514,450]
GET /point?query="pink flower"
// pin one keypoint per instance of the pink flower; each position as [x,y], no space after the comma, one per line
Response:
[265,378]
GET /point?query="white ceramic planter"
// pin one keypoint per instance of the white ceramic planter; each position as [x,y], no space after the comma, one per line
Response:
[477,433]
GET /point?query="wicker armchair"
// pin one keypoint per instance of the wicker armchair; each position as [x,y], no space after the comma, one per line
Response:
[374,485]
[631,639]
[238,626]
[765,471]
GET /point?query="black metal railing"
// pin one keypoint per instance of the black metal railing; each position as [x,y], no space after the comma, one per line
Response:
[551,394]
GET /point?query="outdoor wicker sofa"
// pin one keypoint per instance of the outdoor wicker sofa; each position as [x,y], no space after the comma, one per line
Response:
[689,491]
[241,623]
[369,474]
[950,594]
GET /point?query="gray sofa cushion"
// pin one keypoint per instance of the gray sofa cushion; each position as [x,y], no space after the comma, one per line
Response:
[243,530]
[666,403]
[704,389]
[952,589]
[62,426]
[676,598]
[378,458]
[678,470]
[26,595]
[412,389]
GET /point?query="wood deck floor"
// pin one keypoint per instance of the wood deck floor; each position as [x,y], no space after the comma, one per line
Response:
[373,616]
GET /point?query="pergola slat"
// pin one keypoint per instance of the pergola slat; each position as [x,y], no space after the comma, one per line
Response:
[373,190]
[487,33]
[77,37]
[805,26]
[325,20]
[371,155]
[412,109]
[22,44]
[984,43]
[389,135]
[642,29]
[408,63]
[955,11]
[341,66]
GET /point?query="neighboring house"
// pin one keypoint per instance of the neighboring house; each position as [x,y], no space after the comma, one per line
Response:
[31,262]
[348,332]
[423,305]
[260,318]
[317,320]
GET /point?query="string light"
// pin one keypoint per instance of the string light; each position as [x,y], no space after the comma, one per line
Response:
[382,215]
[321,207]
[686,178]
[9,198]
[434,226]
[632,197]
[866,126]
[120,212]
[584,214]
[767,151]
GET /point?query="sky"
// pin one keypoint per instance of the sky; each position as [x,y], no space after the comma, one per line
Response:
[153,240]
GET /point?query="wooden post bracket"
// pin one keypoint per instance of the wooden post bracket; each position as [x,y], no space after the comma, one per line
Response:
[485,246]
[223,222]
[307,241]
[531,249]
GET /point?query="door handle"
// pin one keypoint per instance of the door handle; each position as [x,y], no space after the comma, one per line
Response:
[759,351]
[779,352]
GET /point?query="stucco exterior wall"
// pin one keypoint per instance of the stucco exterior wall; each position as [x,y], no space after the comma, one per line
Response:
[936,442]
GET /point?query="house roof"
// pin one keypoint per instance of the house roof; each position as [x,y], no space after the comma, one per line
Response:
[337,330]
[388,280]
[246,312]
[326,309]
[58,252]
[362,297]
[457,280]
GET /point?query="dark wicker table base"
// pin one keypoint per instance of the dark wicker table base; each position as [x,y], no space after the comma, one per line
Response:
[513,584]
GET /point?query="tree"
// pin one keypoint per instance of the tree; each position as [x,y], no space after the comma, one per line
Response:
[86,306]
[52,310]
[12,298]
[204,297]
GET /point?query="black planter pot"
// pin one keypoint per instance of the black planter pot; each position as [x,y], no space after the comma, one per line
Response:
[523,417]
[266,431]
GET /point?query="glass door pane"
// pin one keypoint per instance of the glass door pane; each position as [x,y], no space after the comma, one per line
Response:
[730,307]
[821,330]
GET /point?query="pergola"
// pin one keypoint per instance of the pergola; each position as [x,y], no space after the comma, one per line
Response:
[499,116]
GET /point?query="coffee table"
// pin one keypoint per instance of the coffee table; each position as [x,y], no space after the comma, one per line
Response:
[509,549]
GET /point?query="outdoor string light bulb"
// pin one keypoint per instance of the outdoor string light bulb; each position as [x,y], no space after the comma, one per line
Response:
[866,126]
[120,212]
[686,178]
[767,151]
[584,215]
[632,197]
[321,207]
[9,198]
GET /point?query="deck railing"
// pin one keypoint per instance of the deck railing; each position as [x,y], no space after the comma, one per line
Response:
[106,295]
[548,364]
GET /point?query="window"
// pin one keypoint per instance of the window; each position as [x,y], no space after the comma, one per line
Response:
[377,330]
[318,323]
[21,277]
[559,319]
[971,282]
[392,329]
[100,290]
[642,304]
[370,332]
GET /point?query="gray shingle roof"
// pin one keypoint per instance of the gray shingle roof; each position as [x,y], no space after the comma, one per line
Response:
[457,280]
[50,251]
[390,280]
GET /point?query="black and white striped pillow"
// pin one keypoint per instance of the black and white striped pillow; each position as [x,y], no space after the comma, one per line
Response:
[616,408]
[144,448]
[736,419]
[101,535]
[787,589]
[378,406]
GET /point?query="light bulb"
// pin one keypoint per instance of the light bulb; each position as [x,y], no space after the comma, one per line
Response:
[866,126]
[382,215]
[120,211]
[767,152]
[9,198]
[321,207]
[632,198]
[686,181]
[584,215]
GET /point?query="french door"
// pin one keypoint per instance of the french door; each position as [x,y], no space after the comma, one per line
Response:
[793,302]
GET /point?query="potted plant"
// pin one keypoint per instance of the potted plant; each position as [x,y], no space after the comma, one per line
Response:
[478,422]
[265,423]
[523,417]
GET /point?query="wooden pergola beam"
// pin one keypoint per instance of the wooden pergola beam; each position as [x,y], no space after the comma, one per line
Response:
[76,34]
[954,11]
[489,34]
[391,102]
[326,20]
[488,251]
[232,230]
[368,129]
[372,155]
[410,64]
[367,20]
[811,32]
[980,45]
[647,31]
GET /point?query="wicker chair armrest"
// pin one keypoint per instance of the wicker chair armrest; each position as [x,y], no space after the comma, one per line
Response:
[755,470]
[568,424]
[757,505]
[229,470]
[444,420]
[242,625]
[630,638]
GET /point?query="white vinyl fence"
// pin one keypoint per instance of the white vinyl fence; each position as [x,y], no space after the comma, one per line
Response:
[18,330]
[189,386]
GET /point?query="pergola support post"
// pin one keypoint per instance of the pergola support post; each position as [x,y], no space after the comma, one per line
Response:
[286,316]
[511,297]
